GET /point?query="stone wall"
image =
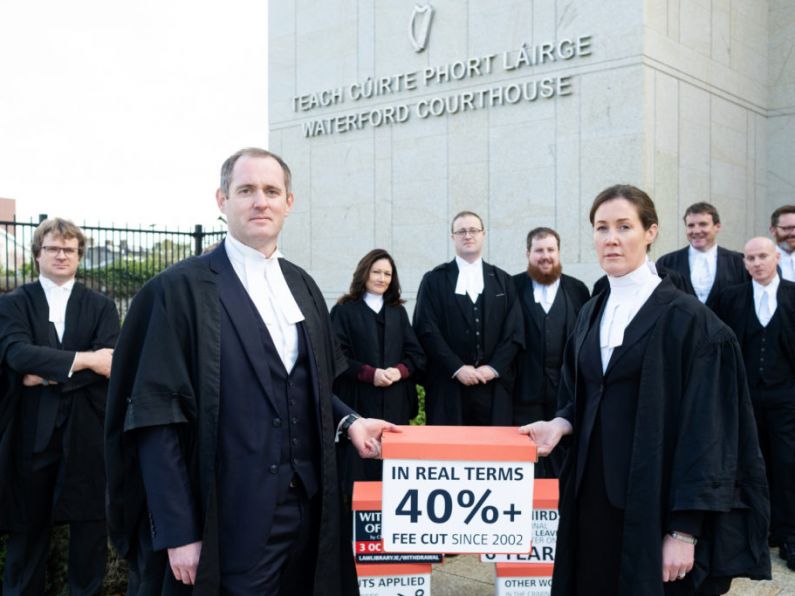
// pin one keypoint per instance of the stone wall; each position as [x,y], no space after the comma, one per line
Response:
[689,100]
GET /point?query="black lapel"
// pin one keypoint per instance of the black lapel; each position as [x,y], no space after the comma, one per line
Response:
[721,268]
[73,311]
[235,301]
[536,312]
[571,312]
[312,328]
[591,315]
[40,319]
[452,279]
[683,264]
[492,289]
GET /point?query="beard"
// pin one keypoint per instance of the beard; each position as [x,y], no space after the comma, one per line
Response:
[539,276]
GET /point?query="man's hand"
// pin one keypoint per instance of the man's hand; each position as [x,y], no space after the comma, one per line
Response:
[365,435]
[184,561]
[546,434]
[98,361]
[30,380]
[678,557]
[486,373]
[381,378]
[469,375]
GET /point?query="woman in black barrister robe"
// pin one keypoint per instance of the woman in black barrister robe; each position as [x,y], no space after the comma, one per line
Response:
[663,490]
[383,354]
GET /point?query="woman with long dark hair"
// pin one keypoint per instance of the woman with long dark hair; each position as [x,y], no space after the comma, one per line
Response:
[663,489]
[383,353]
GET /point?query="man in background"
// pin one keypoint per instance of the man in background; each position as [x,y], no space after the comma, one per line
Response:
[469,323]
[706,267]
[550,302]
[761,313]
[56,346]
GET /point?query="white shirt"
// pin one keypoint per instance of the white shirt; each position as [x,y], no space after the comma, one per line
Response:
[628,294]
[545,295]
[374,301]
[57,298]
[264,281]
[765,312]
[787,264]
[470,278]
[703,266]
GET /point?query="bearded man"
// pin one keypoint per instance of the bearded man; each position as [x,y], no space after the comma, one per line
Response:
[550,302]
[782,229]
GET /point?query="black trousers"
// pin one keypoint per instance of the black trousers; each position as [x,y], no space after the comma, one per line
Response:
[27,550]
[775,419]
[287,565]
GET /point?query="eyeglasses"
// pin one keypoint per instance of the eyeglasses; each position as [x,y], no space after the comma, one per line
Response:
[467,232]
[786,229]
[53,251]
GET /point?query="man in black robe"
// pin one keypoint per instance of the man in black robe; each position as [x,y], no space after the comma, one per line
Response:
[469,323]
[705,267]
[221,421]
[550,301]
[762,314]
[56,347]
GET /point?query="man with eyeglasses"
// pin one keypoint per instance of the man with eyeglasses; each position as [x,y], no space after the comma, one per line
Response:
[469,322]
[782,228]
[56,346]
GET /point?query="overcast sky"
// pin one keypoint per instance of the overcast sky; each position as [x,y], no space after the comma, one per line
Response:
[123,111]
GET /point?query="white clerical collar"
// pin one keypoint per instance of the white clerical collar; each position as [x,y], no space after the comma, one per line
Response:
[374,301]
[470,278]
[47,284]
[628,284]
[249,263]
[710,254]
[237,251]
[771,288]
[57,298]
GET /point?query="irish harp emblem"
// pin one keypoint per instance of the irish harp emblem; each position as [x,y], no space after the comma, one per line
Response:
[420,26]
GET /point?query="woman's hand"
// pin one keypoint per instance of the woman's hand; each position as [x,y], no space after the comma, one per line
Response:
[678,557]
[546,434]
[382,378]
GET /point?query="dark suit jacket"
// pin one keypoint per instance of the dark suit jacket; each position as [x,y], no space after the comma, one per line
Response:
[444,331]
[736,307]
[530,374]
[166,371]
[730,270]
[29,413]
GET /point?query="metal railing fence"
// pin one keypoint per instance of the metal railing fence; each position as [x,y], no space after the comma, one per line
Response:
[117,260]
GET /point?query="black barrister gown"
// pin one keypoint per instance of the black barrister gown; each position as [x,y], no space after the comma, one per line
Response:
[538,371]
[379,340]
[92,322]
[448,338]
[166,370]
[694,448]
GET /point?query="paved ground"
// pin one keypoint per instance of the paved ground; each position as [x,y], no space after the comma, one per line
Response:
[465,575]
